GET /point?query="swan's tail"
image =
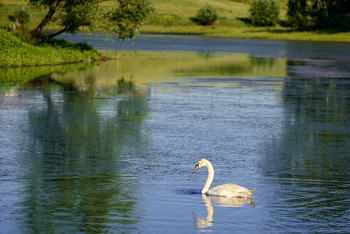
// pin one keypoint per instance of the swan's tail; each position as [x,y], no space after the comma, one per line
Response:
[252,191]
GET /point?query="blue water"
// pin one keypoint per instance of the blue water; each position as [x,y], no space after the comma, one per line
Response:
[84,157]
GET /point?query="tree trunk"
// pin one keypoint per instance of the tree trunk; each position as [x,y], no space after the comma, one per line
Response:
[46,19]
[15,25]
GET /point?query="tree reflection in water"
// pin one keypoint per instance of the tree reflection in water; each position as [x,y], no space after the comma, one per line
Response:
[315,143]
[77,173]
[310,160]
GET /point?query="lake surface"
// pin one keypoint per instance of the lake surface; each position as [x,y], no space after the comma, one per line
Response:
[110,147]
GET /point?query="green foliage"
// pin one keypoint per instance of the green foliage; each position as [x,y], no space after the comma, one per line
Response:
[16,53]
[330,14]
[319,14]
[124,20]
[346,24]
[128,17]
[264,12]
[78,15]
[298,14]
[206,15]
[20,15]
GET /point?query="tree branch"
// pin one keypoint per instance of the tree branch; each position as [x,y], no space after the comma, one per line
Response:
[52,35]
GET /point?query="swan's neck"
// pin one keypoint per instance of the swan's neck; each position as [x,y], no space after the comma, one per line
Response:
[210,177]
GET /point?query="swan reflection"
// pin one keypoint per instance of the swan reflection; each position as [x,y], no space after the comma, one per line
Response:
[219,201]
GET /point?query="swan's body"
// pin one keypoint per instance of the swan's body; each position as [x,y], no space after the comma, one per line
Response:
[225,190]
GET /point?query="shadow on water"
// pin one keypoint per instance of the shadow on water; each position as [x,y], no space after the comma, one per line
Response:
[315,142]
[78,179]
[188,191]
[312,154]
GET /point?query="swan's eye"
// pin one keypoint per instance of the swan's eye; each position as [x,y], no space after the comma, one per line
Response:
[197,165]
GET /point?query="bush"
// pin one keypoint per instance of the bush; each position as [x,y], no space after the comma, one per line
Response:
[264,12]
[206,15]
[299,14]
[320,14]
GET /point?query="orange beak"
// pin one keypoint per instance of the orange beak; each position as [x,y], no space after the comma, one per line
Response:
[195,169]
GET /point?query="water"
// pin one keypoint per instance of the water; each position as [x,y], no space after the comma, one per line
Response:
[112,148]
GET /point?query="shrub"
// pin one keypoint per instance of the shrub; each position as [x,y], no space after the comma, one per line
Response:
[264,12]
[299,14]
[206,15]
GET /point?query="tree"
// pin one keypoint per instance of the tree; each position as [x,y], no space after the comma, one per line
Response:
[264,12]
[319,14]
[330,13]
[125,19]
[206,15]
[298,13]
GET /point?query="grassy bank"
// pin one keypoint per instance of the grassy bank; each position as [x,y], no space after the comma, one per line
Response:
[16,53]
[275,33]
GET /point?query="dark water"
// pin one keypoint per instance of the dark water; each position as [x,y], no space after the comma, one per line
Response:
[111,149]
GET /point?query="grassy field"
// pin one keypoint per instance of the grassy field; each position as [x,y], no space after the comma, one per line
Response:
[173,16]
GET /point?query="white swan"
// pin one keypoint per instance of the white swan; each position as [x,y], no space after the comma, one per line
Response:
[225,190]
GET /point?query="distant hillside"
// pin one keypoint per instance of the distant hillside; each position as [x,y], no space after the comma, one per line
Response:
[178,12]
[173,16]
[167,12]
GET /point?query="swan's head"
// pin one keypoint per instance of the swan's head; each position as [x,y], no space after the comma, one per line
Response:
[199,164]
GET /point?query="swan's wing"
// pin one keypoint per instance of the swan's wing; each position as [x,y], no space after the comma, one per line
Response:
[229,190]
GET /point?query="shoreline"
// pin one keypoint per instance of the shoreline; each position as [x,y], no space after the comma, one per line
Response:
[305,36]
[199,35]
[62,63]
[255,33]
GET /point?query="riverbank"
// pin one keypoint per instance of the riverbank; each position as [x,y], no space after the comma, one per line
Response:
[15,52]
[273,33]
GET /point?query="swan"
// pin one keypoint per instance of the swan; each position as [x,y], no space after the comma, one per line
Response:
[224,190]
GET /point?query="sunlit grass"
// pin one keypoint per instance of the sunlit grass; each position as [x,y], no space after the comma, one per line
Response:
[174,17]
[16,53]
[279,34]
[251,33]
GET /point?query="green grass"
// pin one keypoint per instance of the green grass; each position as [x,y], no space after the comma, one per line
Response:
[16,53]
[180,11]
[173,16]
[273,33]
